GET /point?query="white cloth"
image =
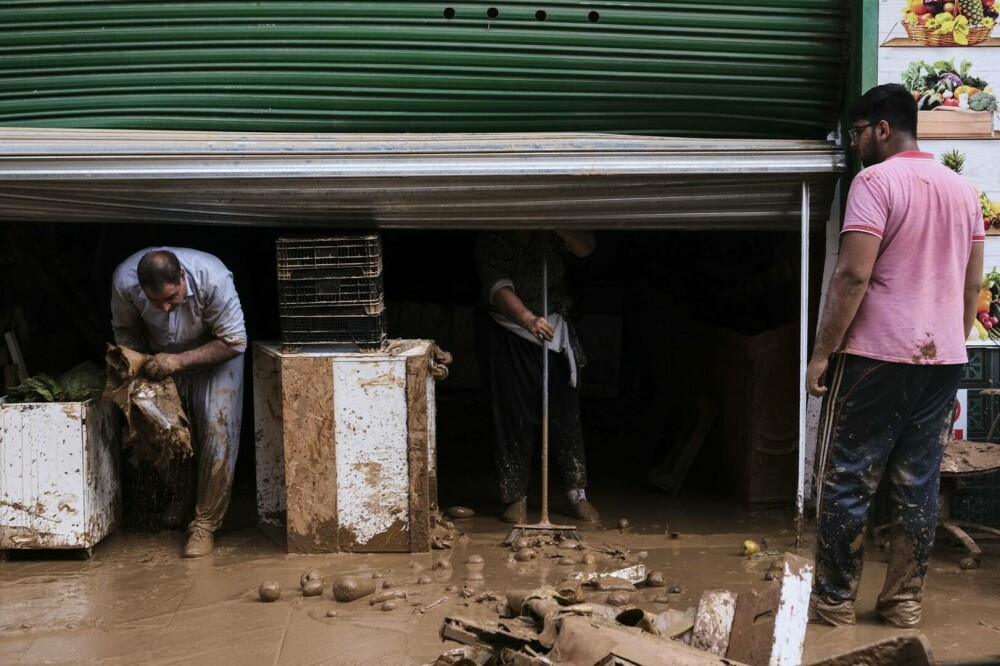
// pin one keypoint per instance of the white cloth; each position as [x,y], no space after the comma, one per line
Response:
[560,342]
[211,308]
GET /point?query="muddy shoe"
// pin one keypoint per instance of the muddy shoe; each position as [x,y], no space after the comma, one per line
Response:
[834,614]
[200,543]
[903,615]
[517,512]
[584,511]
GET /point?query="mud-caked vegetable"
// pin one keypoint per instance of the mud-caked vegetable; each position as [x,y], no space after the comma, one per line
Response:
[269,590]
[749,547]
[312,588]
[350,588]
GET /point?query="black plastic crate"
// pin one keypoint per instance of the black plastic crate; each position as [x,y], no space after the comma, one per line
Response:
[366,331]
[330,291]
[357,309]
[305,257]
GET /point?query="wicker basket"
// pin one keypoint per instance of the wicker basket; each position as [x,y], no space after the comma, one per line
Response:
[922,35]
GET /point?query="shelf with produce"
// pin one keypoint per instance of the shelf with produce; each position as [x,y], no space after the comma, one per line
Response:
[951,101]
[949,23]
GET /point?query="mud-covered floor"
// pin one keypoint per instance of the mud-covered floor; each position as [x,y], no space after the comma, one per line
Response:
[136,601]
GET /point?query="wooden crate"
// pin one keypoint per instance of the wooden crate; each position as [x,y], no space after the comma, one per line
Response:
[950,122]
[346,451]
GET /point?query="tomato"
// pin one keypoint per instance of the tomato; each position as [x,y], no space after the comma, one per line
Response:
[951,101]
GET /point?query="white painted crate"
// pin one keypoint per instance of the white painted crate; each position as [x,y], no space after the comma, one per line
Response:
[59,474]
[346,451]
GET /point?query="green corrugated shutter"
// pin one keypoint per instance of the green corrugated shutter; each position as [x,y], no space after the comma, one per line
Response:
[761,69]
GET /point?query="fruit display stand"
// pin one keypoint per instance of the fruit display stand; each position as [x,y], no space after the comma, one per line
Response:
[59,474]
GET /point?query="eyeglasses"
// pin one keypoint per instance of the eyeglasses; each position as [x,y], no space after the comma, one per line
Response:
[854,131]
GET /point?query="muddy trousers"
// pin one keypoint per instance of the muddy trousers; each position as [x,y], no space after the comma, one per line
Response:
[213,400]
[515,369]
[880,420]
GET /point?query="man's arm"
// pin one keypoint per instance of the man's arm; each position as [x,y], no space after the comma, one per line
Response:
[973,283]
[858,251]
[211,353]
[125,321]
[513,308]
[580,243]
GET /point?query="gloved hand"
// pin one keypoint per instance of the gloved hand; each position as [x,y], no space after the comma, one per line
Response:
[162,365]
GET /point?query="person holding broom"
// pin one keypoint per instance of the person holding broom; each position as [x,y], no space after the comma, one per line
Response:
[510,269]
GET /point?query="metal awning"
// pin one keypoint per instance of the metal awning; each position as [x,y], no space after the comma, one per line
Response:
[447,181]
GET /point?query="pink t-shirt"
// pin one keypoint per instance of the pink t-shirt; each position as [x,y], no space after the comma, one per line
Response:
[927,217]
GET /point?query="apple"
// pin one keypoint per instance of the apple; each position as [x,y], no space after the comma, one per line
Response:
[949,7]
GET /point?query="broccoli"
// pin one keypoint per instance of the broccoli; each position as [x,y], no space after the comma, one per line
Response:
[983,102]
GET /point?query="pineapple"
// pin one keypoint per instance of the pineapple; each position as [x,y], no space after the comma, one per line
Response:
[973,10]
[954,160]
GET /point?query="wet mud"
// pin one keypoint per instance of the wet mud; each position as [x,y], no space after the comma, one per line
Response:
[137,602]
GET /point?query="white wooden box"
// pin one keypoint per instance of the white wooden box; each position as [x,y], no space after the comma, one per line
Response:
[346,452]
[59,474]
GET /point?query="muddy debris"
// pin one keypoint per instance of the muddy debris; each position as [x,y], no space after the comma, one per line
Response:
[392,595]
[441,565]
[389,583]
[331,613]
[475,577]
[520,571]
[588,558]
[610,584]
[656,579]
[565,561]
[308,576]
[520,542]
[624,524]
[676,589]
[526,554]
[451,588]
[425,580]
[390,605]
[474,559]
[769,576]
[269,590]
[749,547]
[459,512]
[416,566]
[662,599]
[619,599]
[642,554]
[312,588]
[569,544]
[376,574]
[351,588]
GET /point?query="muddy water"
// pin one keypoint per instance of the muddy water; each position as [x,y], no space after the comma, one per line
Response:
[136,601]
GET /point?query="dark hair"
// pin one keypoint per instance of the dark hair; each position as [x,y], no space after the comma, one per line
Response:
[158,268]
[890,102]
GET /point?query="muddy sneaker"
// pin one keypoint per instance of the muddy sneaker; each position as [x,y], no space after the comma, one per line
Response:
[834,614]
[903,615]
[200,543]
[584,511]
[517,512]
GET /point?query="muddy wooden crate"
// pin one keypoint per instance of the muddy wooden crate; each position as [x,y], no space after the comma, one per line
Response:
[59,474]
[345,446]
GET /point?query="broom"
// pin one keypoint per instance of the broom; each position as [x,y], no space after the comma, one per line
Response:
[544,525]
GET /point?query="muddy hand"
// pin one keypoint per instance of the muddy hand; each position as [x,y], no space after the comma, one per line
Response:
[541,328]
[161,365]
[815,376]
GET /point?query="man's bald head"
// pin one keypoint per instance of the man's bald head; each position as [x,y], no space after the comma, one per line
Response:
[158,269]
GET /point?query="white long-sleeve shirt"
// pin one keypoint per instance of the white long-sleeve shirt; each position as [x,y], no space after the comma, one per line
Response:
[211,308]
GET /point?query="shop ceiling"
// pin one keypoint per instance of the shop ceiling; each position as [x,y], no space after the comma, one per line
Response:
[446,181]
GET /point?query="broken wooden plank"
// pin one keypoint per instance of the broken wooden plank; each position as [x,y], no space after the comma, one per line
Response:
[912,650]
[769,627]
[713,621]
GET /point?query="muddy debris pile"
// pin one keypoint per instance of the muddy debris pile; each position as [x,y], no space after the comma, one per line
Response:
[443,531]
[598,618]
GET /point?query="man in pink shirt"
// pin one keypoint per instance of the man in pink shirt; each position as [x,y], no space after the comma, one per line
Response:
[888,355]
